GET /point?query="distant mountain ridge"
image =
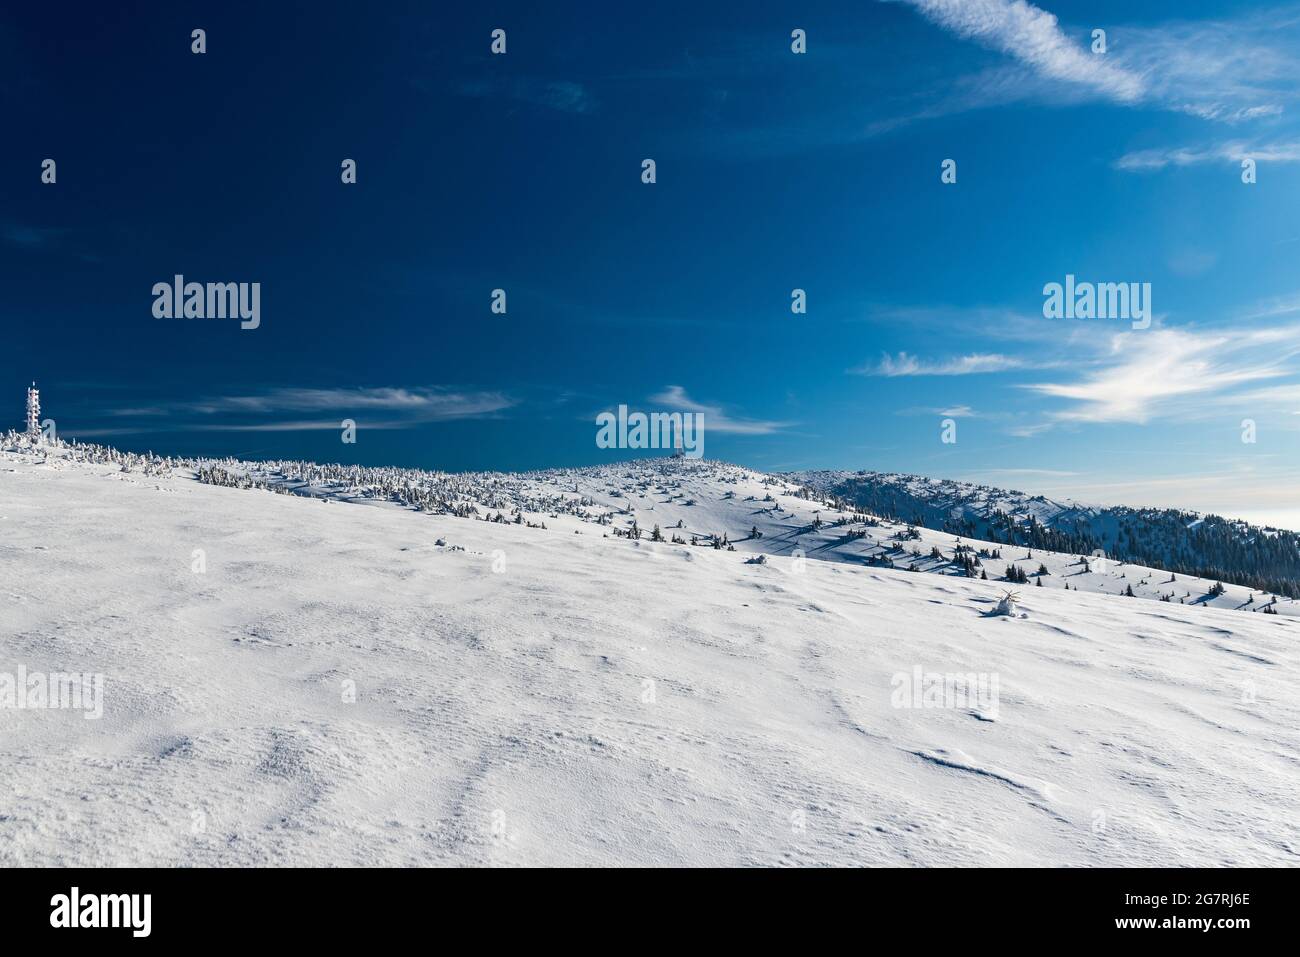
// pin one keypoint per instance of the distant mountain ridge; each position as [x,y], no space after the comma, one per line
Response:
[1176,540]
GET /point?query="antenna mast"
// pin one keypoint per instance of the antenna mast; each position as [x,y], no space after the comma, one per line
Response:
[33,413]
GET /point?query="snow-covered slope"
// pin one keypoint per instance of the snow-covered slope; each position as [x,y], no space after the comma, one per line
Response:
[555,696]
[703,503]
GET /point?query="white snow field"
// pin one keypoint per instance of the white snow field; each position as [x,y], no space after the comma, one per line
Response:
[552,696]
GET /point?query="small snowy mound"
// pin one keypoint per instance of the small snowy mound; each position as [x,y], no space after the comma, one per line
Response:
[1009,605]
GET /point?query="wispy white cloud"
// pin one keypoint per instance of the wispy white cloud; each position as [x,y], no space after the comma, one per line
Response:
[1230,70]
[1234,70]
[1275,307]
[1168,372]
[1034,37]
[1273,397]
[268,411]
[427,402]
[905,364]
[291,425]
[1029,430]
[716,420]
[1229,152]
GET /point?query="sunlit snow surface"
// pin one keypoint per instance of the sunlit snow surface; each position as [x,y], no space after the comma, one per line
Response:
[536,696]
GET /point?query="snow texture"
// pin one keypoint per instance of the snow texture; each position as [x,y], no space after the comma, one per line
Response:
[568,696]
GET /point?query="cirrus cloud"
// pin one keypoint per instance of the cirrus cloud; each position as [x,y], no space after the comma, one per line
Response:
[715,419]
[1034,37]
[906,364]
[1163,373]
[291,409]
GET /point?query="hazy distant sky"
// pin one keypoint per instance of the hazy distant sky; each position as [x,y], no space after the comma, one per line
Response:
[775,171]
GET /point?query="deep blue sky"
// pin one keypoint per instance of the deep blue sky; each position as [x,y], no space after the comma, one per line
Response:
[775,171]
